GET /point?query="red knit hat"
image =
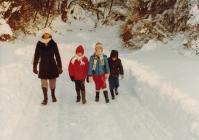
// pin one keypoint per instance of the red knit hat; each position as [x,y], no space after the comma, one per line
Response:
[80,49]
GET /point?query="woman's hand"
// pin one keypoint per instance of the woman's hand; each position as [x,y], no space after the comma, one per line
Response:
[35,71]
[60,71]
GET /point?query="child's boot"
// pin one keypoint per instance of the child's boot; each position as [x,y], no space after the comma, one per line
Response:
[106,96]
[97,97]
[112,94]
[78,96]
[116,91]
[83,97]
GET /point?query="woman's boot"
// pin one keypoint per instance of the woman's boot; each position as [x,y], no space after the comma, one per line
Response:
[83,97]
[106,96]
[53,95]
[97,97]
[45,101]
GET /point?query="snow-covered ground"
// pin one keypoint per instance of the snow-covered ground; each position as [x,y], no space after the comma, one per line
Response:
[158,98]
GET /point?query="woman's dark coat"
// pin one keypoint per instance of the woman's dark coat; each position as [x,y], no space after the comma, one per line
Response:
[49,60]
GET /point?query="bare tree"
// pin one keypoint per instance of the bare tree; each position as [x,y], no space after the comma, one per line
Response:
[50,7]
[64,7]
[111,6]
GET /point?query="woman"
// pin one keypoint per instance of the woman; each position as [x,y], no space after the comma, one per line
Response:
[49,68]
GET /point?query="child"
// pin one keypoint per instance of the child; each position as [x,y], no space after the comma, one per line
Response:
[78,69]
[116,69]
[99,71]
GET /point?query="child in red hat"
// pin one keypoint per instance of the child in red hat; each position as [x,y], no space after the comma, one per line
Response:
[78,69]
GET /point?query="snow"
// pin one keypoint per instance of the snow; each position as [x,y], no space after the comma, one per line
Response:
[158,98]
[5,28]
[195,45]
[76,12]
[69,2]
[16,9]
[194,18]
[120,9]
[4,7]
[98,1]
[77,16]
[166,81]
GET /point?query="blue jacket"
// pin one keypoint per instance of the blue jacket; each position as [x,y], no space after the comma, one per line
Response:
[100,69]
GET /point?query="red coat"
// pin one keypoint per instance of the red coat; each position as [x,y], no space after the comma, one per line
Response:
[78,69]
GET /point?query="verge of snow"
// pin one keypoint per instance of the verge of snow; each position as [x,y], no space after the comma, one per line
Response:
[151,45]
[172,105]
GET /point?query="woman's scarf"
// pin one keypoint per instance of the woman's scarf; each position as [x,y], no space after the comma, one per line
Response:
[46,41]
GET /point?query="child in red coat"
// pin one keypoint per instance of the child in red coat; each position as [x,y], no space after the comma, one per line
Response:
[78,69]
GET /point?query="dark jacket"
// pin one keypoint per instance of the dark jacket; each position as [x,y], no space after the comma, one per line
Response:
[48,58]
[116,67]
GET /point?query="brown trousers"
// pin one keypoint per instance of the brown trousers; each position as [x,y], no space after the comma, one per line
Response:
[52,83]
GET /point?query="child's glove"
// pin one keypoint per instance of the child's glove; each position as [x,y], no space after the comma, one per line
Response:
[87,79]
[72,78]
[90,79]
[35,71]
[107,75]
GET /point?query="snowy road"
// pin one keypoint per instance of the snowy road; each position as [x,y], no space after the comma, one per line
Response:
[125,118]
[129,117]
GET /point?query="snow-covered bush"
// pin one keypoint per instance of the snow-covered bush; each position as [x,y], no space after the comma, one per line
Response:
[154,19]
[24,15]
[76,12]
[5,31]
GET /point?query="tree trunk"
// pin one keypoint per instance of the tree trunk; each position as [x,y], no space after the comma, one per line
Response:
[35,17]
[63,10]
[110,8]
[59,7]
[49,9]
[104,11]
